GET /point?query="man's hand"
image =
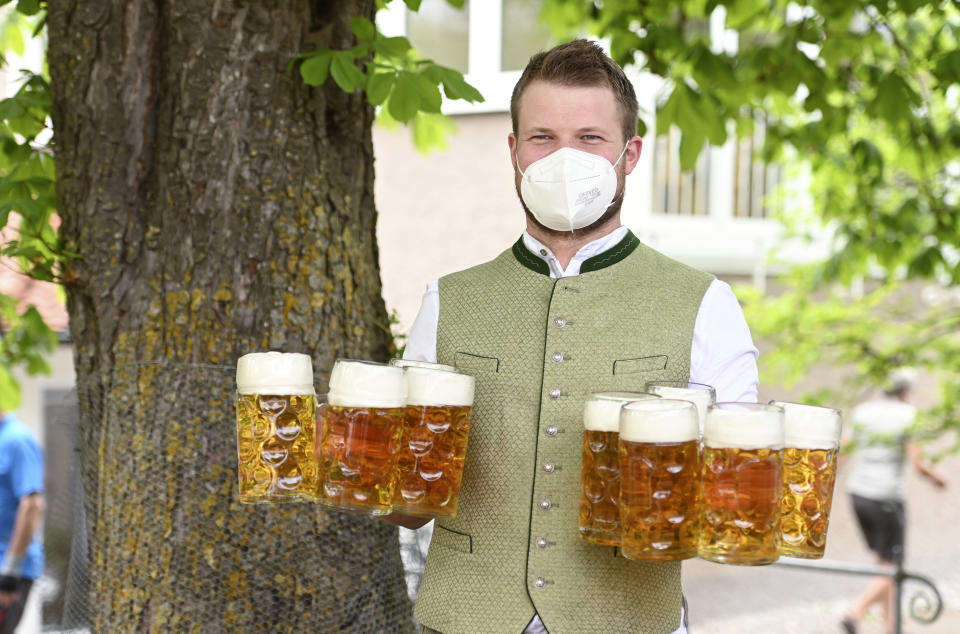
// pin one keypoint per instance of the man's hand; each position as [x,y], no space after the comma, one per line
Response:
[8,590]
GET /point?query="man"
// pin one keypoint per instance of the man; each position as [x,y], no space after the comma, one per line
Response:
[21,513]
[577,305]
[876,485]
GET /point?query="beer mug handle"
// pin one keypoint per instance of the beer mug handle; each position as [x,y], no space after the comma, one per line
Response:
[319,424]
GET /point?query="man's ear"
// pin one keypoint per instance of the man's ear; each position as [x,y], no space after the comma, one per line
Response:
[631,155]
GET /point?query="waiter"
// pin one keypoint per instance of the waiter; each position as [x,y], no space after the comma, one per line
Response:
[576,305]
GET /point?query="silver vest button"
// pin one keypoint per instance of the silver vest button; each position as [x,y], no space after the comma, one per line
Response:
[552,430]
[542,543]
[540,582]
[557,357]
[559,322]
[554,393]
[548,467]
[545,504]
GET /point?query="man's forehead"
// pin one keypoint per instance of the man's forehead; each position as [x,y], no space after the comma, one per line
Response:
[544,104]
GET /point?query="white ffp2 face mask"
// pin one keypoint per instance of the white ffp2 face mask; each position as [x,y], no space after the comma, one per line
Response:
[568,189]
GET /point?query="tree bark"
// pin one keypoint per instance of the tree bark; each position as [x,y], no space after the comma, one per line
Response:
[217,206]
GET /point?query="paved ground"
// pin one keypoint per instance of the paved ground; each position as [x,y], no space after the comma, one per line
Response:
[734,599]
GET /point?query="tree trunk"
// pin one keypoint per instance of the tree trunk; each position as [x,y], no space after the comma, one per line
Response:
[217,206]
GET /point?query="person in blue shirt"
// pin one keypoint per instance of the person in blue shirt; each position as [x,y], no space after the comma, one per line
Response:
[21,514]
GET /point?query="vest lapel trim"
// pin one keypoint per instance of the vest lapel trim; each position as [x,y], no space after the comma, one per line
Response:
[528,259]
[609,257]
[612,255]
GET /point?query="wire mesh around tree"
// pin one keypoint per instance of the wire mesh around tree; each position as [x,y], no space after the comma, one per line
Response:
[160,541]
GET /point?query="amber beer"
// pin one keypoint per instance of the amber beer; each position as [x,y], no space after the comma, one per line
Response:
[360,442]
[276,407]
[741,483]
[434,440]
[700,394]
[811,445]
[600,472]
[659,479]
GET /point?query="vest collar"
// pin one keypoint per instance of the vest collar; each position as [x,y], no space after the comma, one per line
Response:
[611,256]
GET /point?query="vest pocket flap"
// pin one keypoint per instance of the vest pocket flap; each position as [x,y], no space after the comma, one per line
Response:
[640,364]
[469,362]
[454,540]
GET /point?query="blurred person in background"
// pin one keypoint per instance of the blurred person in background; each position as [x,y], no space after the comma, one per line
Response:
[881,429]
[21,514]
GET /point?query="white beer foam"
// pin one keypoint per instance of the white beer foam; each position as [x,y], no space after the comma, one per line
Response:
[274,373]
[410,363]
[367,384]
[602,409]
[701,398]
[659,420]
[743,429]
[437,387]
[809,426]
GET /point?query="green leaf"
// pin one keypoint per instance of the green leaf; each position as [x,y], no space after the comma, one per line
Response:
[379,86]
[28,7]
[893,99]
[413,5]
[404,100]
[641,127]
[360,50]
[314,69]
[11,33]
[392,47]
[428,93]
[9,390]
[458,4]
[363,29]
[431,131]
[691,143]
[947,69]
[345,72]
[454,85]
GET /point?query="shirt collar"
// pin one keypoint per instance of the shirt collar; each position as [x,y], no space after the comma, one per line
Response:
[585,252]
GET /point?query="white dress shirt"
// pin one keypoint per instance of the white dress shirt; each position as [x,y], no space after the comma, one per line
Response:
[722,354]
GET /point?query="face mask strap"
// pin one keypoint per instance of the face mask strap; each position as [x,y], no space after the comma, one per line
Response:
[622,152]
[516,158]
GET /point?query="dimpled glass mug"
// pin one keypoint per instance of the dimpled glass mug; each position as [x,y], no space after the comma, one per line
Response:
[360,442]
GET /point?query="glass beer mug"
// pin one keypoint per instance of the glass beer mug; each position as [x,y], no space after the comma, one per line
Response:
[700,394]
[600,470]
[741,484]
[659,479]
[811,444]
[434,440]
[276,408]
[358,447]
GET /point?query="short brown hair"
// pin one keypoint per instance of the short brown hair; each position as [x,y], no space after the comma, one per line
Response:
[579,63]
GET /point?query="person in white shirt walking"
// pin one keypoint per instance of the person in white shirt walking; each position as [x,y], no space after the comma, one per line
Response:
[881,430]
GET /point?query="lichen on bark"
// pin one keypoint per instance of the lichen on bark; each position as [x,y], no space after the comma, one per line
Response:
[218,206]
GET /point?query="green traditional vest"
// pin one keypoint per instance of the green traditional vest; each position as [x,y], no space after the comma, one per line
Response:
[537,347]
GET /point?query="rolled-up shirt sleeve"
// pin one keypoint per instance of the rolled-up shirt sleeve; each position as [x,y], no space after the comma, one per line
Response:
[723,354]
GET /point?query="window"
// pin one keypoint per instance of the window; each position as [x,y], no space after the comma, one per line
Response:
[676,192]
[523,33]
[441,32]
[754,180]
